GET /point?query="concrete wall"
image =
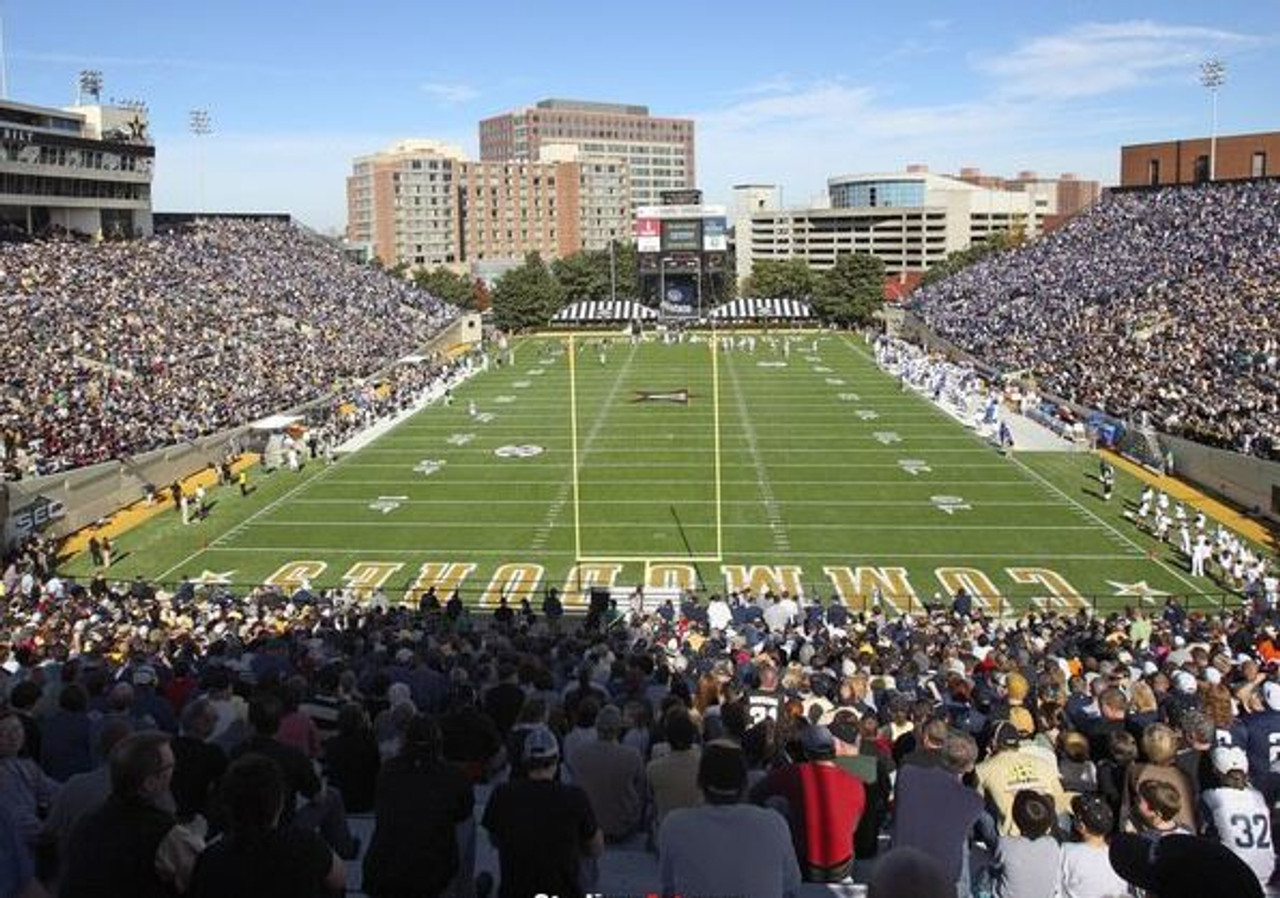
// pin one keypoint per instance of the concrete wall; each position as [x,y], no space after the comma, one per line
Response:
[1250,482]
[60,504]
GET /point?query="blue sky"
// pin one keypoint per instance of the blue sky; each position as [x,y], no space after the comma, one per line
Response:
[785,93]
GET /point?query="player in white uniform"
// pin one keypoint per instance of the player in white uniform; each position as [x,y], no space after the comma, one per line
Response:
[1200,553]
[1237,815]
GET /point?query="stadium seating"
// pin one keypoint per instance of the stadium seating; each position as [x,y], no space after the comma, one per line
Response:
[113,349]
[1159,301]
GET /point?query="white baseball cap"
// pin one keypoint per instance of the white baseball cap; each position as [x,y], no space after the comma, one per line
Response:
[1227,759]
[1271,694]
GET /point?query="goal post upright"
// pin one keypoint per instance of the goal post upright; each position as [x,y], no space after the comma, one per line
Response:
[573,428]
[715,417]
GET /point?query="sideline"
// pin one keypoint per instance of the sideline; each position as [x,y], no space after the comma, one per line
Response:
[140,511]
[1231,517]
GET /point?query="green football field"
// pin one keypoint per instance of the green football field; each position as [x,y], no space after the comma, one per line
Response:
[680,466]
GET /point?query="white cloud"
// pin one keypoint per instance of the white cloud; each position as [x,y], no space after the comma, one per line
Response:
[1100,58]
[450,94]
[798,134]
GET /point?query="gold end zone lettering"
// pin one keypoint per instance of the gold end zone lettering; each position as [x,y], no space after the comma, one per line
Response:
[986,595]
[759,578]
[445,576]
[515,581]
[366,576]
[1061,594]
[584,576]
[292,574]
[683,577]
[857,586]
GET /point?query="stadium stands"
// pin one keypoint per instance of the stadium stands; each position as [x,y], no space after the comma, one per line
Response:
[959,706]
[1159,302]
[117,348]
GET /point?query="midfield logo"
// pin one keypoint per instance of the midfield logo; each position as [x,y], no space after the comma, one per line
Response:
[679,397]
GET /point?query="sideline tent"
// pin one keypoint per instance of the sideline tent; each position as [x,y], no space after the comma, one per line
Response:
[598,310]
[748,309]
[276,422]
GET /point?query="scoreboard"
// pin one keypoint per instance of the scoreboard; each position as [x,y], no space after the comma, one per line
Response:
[682,255]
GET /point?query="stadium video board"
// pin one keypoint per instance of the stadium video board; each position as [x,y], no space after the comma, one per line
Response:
[682,235]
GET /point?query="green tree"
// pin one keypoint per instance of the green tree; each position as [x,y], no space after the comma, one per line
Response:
[589,274]
[851,291]
[444,284]
[582,276]
[526,296]
[781,279]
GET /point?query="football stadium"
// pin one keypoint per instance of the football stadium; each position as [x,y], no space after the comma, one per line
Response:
[552,531]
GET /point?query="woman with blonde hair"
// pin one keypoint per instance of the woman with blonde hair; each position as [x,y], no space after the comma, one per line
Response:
[1144,710]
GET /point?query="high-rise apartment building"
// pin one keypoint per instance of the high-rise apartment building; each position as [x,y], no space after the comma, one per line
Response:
[604,194]
[402,203]
[659,152]
[423,203]
[509,209]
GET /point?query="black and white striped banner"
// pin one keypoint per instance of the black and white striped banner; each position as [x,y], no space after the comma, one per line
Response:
[751,308]
[605,310]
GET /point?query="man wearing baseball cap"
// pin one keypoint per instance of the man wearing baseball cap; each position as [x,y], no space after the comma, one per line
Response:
[543,829]
[725,847]
[1237,815]
[824,805]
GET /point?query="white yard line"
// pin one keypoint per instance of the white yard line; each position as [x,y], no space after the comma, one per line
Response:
[862,559]
[798,503]
[772,512]
[640,525]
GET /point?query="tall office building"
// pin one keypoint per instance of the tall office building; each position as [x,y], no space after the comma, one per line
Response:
[659,152]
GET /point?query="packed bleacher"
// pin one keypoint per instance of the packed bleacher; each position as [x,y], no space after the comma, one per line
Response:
[1160,302]
[745,745]
[116,348]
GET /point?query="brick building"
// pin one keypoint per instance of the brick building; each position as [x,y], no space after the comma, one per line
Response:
[1239,156]
[659,152]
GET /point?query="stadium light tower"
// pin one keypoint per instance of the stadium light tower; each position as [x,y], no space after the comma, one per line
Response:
[201,127]
[90,84]
[1213,74]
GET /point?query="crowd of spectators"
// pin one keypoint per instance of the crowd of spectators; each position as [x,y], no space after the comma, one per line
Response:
[1158,302]
[116,348]
[753,743]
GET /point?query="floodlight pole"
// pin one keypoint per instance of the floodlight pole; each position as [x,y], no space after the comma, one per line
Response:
[201,127]
[613,271]
[1213,74]
[662,280]
[89,84]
